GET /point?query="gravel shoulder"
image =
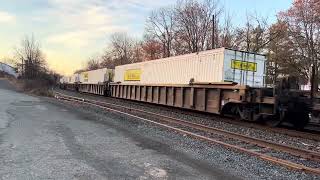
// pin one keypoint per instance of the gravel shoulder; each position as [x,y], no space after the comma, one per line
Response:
[240,165]
[210,120]
[41,138]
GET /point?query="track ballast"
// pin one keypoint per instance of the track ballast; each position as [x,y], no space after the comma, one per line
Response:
[295,158]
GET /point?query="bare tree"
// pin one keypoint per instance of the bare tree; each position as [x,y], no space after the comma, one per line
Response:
[227,33]
[137,52]
[79,71]
[107,60]
[194,21]
[9,61]
[280,60]
[303,25]
[152,49]
[121,48]
[254,36]
[31,61]
[161,26]
[93,63]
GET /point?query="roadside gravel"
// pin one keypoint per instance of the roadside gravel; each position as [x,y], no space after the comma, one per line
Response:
[240,165]
[210,120]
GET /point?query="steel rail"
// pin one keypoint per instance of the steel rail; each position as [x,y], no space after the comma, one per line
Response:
[251,152]
[284,131]
[311,155]
[280,130]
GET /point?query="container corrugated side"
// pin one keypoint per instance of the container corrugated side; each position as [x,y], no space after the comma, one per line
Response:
[73,79]
[206,66]
[212,66]
[95,76]
[245,75]
[64,79]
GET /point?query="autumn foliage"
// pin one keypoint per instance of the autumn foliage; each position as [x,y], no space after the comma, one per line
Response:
[292,43]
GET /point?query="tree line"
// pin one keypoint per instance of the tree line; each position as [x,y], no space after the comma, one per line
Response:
[30,62]
[291,43]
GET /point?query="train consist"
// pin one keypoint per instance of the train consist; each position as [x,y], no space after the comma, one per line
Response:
[220,81]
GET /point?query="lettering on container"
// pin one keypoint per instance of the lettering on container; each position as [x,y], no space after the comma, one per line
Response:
[243,65]
[132,75]
[85,77]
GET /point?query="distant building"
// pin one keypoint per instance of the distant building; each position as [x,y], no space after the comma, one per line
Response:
[8,69]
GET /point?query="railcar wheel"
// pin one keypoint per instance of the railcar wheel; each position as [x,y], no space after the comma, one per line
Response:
[248,114]
[298,115]
[273,121]
[299,120]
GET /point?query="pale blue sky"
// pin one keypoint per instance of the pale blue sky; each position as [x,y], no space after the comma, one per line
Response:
[71,30]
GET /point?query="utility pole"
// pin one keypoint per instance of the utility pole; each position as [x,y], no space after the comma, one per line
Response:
[312,81]
[314,75]
[213,31]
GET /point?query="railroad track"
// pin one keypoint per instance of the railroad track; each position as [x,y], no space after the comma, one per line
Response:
[314,127]
[300,159]
[311,134]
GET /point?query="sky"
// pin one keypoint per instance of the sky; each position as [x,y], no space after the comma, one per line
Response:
[70,31]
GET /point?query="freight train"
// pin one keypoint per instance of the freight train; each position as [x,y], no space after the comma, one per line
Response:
[220,81]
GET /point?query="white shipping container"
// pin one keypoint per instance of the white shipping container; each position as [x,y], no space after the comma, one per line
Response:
[212,66]
[96,76]
[61,80]
[73,79]
[64,79]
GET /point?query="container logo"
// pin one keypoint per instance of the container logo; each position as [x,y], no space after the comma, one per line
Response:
[86,77]
[132,75]
[243,65]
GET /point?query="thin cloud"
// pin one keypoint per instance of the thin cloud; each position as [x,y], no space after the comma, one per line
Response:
[71,30]
[81,22]
[5,17]
[81,38]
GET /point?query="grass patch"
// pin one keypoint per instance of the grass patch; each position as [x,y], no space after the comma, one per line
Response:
[37,87]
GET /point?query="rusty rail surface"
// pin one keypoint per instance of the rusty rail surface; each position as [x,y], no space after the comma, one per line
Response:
[315,136]
[305,134]
[311,155]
